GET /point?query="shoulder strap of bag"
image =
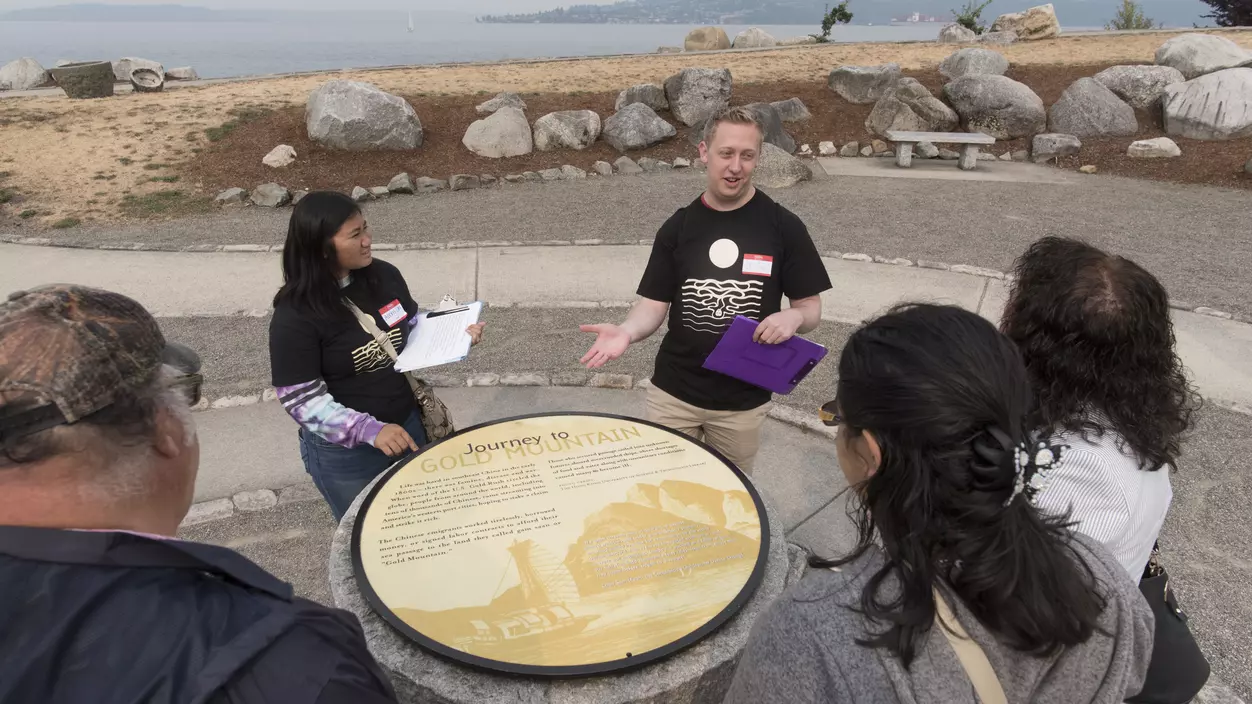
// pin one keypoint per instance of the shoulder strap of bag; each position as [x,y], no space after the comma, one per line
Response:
[369,326]
[971,655]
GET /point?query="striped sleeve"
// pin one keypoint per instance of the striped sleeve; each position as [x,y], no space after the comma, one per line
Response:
[1085,487]
[312,406]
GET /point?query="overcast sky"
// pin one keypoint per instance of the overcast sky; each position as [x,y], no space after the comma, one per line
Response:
[496,6]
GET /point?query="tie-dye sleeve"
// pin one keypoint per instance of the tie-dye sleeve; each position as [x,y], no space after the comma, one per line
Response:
[312,406]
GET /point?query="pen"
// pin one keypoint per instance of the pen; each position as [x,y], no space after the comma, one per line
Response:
[438,313]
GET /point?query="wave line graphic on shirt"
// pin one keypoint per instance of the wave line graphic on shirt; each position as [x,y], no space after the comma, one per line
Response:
[371,357]
[709,305]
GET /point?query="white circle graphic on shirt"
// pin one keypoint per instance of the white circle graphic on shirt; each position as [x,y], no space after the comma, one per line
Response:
[724,253]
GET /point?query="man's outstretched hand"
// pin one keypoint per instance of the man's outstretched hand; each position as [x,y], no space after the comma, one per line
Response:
[611,343]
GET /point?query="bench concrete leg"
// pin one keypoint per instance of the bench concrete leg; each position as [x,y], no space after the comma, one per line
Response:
[904,155]
[969,157]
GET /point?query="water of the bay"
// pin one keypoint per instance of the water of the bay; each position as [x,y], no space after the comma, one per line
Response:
[311,42]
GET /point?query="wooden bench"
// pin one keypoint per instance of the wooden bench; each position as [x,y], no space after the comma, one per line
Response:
[969,141]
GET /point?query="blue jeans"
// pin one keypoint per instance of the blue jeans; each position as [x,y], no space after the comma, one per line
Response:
[340,473]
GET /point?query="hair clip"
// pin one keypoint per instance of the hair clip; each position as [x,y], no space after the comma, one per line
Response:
[1030,472]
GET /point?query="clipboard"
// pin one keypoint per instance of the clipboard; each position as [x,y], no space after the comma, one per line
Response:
[438,337]
[778,368]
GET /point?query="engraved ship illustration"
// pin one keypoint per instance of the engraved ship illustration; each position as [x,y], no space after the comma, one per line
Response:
[547,590]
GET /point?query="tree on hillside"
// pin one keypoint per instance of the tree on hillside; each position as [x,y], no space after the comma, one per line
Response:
[839,14]
[1130,16]
[1231,13]
[969,16]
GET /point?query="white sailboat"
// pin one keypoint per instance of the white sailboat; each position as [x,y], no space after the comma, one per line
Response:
[410,23]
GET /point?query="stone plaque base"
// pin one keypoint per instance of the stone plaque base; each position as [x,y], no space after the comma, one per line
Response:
[700,674]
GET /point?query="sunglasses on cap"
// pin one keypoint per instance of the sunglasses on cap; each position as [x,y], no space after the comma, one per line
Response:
[829,414]
[186,382]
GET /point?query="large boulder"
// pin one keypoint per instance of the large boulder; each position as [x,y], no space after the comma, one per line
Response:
[502,100]
[956,34]
[863,85]
[1036,23]
[649,94]
[696,94]
[996,105]
[24,74]
[998,38]
[181,73]
[1216,106]
[1197,54]
[754,38]
[82,81]
[1045,147]
[567,129]
[360,117]
[974,61]
[910,107]
[636,126]
[792,110]
[1140,86]
[706,39]
[123,67]
[777,169]
[1088,109]
[501,134]
[771,119]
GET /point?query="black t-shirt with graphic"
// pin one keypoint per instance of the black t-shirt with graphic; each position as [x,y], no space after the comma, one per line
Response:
[358,372]
[711,266]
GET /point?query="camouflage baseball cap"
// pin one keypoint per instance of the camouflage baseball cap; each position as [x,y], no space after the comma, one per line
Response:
[69,351]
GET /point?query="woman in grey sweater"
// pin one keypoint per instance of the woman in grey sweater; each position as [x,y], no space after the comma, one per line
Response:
[933,439]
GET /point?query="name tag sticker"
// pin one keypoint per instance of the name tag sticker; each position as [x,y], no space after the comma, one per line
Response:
[758,265]
[393,313]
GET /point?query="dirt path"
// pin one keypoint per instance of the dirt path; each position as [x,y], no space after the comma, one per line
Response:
[100,159]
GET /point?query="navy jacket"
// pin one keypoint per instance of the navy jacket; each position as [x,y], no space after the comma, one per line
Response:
[115,618]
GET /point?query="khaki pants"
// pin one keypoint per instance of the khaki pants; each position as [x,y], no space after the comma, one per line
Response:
[736,434]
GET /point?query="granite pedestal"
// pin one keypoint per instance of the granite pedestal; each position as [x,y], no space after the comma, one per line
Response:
[700,674]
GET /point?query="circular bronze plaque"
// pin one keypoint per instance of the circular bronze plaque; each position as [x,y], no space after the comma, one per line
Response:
[564,544]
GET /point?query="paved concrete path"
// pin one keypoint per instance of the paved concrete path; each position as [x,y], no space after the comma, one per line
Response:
[1206,538]
[179,284]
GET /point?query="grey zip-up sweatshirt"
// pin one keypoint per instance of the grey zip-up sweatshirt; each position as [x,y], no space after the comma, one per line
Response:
[803,649]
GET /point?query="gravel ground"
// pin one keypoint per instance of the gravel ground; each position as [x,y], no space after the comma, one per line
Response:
[1207,542]
[283,540]
[1194,238]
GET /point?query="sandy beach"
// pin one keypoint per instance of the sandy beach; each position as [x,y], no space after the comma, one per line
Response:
[81,159]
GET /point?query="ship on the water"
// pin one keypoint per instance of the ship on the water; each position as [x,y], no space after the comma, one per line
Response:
[918,18]
[547,591]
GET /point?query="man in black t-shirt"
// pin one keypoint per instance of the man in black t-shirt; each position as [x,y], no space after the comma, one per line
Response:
[733,251]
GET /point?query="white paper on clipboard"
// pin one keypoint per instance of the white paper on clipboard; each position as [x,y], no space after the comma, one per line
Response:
[439,337]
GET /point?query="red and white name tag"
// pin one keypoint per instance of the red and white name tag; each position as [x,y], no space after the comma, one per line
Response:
[393,313]
[758,265]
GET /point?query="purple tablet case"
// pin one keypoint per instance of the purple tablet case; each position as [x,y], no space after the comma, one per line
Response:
[778,368]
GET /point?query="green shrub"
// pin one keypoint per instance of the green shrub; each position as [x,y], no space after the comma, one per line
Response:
[970,16]
[839,14]
[1130,16]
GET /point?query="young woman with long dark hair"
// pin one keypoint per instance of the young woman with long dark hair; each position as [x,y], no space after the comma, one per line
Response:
[1095,333]
[357,415]
[933,439]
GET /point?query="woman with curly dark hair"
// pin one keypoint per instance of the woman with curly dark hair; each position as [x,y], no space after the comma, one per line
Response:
[958,589]
[1095,334]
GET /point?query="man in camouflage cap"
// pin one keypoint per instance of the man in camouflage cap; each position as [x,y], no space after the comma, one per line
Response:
[98,461]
